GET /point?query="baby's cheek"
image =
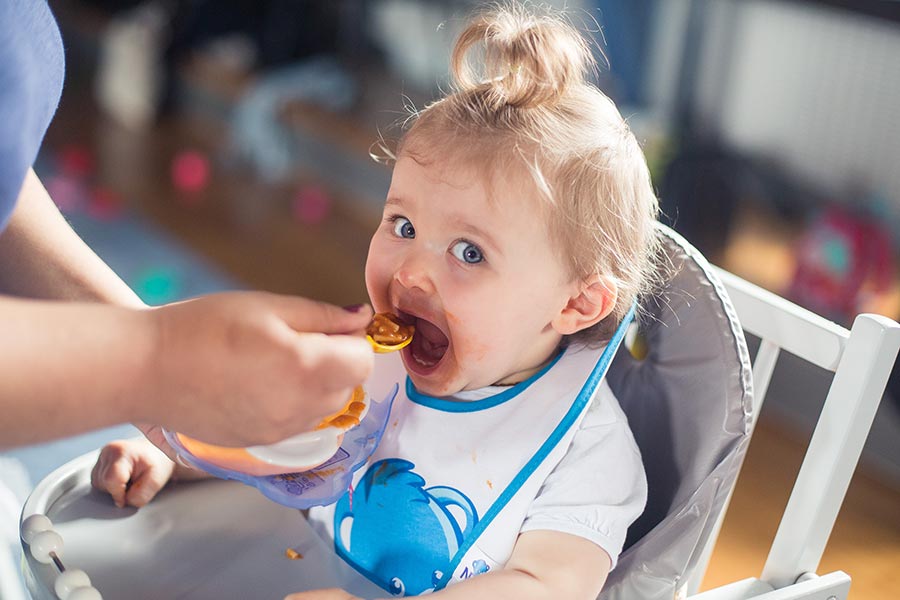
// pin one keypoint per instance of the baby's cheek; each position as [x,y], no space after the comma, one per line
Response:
[378,288]
[471,347]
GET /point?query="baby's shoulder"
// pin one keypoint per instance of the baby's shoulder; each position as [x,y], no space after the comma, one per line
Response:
[604,410]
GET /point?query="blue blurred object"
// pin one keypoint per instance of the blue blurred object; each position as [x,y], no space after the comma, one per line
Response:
[259,134]
[155,265]
[159,286]
[626,28]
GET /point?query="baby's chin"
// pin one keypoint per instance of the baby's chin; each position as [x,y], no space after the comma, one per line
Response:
[442,387]
[433,387]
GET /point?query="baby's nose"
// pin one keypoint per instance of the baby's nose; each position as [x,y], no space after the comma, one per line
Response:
[415,273]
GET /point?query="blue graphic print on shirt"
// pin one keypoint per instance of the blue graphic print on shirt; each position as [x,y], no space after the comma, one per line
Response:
[398,533]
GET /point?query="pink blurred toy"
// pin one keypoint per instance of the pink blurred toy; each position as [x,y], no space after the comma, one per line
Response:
[66,192]
[311,205]
[841,258]
[190,171]
[76,161]
[104,204]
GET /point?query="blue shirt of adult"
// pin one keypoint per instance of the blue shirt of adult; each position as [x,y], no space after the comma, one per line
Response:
[32,65]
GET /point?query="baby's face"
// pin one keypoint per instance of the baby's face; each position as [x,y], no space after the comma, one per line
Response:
[479,278]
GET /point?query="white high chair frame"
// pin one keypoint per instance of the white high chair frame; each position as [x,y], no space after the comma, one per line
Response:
[861,360]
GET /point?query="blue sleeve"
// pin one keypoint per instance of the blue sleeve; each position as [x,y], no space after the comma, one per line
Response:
[32,64]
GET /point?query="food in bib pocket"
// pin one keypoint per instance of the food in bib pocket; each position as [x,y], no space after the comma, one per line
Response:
[298,453]
[350,415]
[327,457]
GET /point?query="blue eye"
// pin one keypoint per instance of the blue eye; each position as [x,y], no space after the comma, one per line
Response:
[467,252]
[403,228]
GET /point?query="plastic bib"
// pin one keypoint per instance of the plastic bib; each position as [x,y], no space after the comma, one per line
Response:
[319,486]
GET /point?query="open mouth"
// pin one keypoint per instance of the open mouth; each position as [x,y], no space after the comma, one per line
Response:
[428,347]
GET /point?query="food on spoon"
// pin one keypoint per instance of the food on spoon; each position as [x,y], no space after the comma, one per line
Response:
[387,334]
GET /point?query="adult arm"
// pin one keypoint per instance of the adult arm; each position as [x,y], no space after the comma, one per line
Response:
[42,257]
[234,369]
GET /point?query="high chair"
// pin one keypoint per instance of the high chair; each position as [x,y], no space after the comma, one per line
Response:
[692,397]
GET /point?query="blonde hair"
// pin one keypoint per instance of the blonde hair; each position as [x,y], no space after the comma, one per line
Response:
[531,110]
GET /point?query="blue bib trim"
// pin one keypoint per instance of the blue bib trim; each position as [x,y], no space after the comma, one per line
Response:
[455,406]
[578,405]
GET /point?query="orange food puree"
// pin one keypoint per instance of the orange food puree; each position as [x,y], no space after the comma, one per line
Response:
[348,416]
[237,459]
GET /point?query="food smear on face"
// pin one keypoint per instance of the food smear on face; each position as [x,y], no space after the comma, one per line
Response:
[386,333]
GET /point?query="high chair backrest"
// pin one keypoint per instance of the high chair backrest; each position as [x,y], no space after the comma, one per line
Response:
[690,405]
[686,389]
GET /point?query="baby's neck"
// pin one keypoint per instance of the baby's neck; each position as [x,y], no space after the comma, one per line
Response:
[520,376]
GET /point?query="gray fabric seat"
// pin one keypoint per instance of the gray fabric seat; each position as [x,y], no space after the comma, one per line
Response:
[688,402]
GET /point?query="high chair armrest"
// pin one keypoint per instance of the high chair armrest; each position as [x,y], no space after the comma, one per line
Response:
[833,586]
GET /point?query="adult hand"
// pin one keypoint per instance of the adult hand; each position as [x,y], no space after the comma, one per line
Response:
[247,368]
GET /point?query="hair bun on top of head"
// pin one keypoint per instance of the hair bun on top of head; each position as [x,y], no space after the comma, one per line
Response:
[529,59]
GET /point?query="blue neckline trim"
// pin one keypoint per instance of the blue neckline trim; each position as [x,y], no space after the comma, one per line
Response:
[578,405]
[456,406]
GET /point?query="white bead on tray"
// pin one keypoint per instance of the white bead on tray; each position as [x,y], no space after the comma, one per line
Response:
[46,546]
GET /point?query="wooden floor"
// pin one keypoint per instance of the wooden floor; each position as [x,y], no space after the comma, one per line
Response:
[246,227]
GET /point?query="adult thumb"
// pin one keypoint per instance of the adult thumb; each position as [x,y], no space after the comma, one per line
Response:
[336,361]
[303,314]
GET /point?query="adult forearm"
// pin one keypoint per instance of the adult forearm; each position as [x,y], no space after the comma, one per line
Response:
[42,257]
[69,367]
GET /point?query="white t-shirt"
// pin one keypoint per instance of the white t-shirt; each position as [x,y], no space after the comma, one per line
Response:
[599,487]
[454,481]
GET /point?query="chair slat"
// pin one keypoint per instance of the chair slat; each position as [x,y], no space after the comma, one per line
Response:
[791,327]
[834,450]
[763,367]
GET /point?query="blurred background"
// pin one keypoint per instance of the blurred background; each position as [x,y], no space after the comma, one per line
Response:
[203,145]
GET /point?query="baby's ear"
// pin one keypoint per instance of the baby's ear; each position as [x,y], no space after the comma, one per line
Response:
[594,299]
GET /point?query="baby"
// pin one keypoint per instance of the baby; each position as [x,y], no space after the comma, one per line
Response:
[517,234]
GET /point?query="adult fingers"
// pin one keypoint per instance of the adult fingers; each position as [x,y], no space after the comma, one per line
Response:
[335,361]
[303,314]
[155,435]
